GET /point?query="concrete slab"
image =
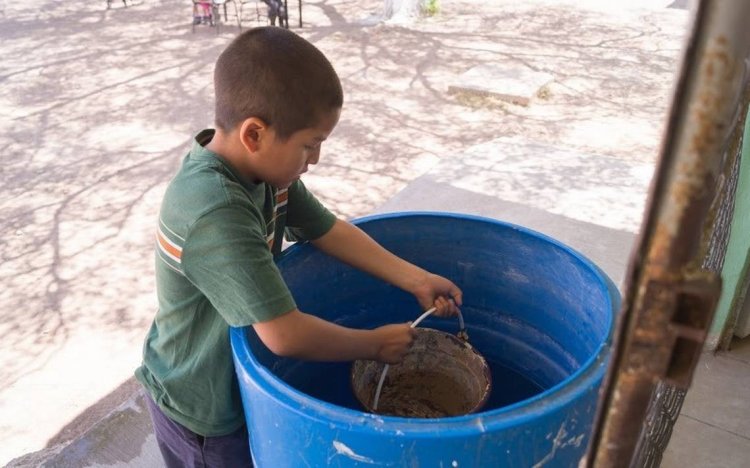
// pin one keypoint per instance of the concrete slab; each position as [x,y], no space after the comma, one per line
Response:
[740,350]
[712,429]
[606,247]
[696,444]
[589,187]
[509,83]
[124,438]
[592,203]
[718,396]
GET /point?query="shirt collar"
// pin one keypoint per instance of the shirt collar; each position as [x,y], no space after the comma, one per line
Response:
[200,152]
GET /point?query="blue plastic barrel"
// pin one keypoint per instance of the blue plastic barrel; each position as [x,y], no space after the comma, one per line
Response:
[539,312]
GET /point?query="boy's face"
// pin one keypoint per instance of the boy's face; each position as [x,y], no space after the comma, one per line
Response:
[282,162]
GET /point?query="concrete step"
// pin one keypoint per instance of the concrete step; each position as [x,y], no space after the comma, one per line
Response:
[592,203]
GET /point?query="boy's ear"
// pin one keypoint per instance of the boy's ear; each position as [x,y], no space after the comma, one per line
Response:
[252,131]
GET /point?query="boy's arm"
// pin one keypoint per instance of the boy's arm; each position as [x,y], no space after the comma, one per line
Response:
[228,258]
[353,246]
[300,335]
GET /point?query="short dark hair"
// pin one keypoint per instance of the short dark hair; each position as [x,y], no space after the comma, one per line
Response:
[275,75]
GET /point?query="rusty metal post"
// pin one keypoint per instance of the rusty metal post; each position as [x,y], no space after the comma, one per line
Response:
[666,401]
[669,300]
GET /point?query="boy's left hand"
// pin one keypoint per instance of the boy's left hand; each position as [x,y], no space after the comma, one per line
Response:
[435,291]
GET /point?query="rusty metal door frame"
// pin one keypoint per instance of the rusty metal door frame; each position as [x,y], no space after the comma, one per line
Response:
[669,299]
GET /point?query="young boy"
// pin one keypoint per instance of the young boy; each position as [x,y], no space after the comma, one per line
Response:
[221,224]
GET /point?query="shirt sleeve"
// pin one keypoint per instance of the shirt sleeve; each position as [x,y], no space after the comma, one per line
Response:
[307,218]
[227,258]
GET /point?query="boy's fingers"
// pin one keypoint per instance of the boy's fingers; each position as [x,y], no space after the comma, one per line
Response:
[438,306]
[451,305]
[457,298]
[443,307]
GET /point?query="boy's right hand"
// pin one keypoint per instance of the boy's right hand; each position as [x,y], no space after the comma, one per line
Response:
[394,342]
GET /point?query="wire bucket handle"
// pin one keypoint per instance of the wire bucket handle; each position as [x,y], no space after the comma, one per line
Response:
[462,335]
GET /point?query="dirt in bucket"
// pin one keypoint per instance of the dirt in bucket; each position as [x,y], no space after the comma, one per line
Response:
[441,376]
[424,394]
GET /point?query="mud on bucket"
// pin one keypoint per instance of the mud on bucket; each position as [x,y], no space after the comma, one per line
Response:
[441,376]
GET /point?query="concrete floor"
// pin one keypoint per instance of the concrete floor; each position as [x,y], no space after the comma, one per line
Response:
[98,109]
[713,429]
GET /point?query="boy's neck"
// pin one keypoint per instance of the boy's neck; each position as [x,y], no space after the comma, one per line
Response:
[219,144]
[227,148]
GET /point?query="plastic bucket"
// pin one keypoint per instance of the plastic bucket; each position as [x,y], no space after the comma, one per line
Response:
[540,313]
[441,376]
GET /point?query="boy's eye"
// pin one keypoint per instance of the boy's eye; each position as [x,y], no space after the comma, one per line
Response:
[312,147]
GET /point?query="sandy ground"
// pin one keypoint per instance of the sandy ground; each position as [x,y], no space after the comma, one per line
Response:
[99,106]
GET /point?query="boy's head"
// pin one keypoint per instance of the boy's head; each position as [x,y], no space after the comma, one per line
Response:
[277,76]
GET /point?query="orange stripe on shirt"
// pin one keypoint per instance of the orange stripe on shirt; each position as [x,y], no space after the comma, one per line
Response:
[169,248]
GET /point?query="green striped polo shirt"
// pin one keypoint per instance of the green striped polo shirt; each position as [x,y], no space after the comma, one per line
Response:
[216,240]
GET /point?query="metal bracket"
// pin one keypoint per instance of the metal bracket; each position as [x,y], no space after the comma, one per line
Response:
[672,320]
[693,309]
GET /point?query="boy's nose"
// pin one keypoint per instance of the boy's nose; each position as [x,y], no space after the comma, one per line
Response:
[314,157]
